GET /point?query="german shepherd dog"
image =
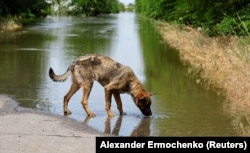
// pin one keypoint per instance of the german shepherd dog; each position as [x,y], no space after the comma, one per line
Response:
[113,76]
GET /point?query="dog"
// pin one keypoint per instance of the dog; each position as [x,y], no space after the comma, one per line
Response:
[113,76]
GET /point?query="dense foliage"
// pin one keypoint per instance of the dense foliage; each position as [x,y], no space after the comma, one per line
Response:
[95,7]
[130,7]
[38,8]
[24,8]
[215,17]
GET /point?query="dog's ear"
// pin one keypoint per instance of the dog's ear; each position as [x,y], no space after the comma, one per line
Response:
[137,99]
[141,96]
[151,93]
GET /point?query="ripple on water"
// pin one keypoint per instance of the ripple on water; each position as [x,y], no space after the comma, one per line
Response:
[161,116]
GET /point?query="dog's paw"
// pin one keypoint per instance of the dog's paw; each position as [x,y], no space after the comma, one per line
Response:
[111,114]
[90,114]
[67,112]
[123,113]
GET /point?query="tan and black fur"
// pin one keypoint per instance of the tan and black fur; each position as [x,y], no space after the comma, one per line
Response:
[113,76]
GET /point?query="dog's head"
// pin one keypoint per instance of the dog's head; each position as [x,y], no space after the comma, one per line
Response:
[143,102]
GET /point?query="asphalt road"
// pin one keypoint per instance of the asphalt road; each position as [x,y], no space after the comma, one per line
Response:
[25,130]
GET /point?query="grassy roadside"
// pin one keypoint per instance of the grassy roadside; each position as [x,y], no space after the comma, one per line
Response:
[216,63]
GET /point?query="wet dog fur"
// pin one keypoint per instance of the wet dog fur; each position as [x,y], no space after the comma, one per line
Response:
[113,76]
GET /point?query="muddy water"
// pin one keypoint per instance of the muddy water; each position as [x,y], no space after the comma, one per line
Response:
[180,107]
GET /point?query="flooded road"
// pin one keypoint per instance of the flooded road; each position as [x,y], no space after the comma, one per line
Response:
[180,106]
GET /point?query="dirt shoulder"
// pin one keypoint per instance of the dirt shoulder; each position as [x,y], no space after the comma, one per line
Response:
[9,24]
[29,131]
[216,63]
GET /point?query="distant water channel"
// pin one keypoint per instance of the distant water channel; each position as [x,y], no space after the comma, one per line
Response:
[180,106]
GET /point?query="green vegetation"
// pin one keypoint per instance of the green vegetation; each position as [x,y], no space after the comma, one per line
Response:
[86,7]
[130,7]
[95,7]
[14,13]
[224,17]
[23,8]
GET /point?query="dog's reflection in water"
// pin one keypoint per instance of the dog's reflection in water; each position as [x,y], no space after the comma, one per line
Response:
[142,130]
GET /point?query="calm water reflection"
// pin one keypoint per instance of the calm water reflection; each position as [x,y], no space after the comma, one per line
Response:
[180,107]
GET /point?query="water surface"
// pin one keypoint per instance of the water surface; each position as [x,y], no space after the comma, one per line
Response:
[180,107]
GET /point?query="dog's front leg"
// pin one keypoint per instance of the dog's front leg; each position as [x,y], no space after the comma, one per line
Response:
[119,103]
[108,94]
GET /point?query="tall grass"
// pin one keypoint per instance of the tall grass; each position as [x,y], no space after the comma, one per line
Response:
[221,63]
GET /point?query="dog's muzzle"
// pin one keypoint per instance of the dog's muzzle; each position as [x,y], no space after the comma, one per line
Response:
[146,112]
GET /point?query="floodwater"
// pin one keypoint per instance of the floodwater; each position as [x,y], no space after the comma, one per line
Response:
[180,107]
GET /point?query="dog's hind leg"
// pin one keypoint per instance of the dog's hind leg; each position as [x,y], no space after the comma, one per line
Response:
[86,91]
[119,103]
[74,87]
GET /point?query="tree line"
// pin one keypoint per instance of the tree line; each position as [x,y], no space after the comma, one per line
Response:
[23,8]
[95,7]
[216,17]
[39,8]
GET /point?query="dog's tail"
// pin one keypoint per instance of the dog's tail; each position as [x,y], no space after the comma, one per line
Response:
[59,78]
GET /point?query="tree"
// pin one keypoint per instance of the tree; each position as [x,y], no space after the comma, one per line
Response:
[95,7]
[24,8]
[217,17]
[130,7]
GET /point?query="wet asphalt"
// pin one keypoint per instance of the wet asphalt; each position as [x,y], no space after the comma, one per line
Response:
[25,130]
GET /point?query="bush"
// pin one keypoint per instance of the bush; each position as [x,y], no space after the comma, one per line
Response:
[217,17]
